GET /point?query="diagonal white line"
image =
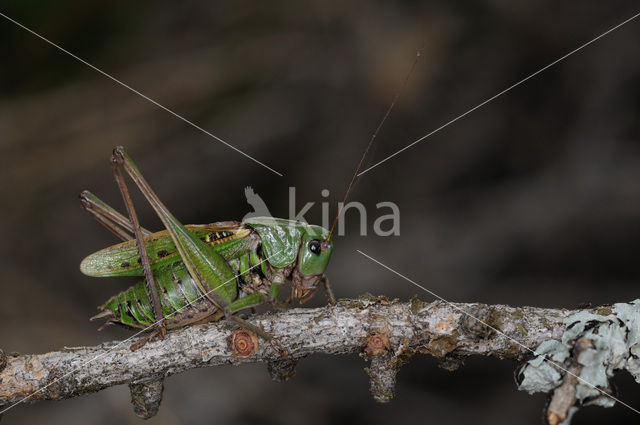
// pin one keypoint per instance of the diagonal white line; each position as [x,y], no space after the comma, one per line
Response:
[120,343]
[501,93]
[197,127]
[496,330]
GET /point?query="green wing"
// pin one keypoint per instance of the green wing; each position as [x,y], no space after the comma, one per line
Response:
[123,259]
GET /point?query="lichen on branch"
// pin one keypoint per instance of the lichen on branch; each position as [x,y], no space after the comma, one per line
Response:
[579,366]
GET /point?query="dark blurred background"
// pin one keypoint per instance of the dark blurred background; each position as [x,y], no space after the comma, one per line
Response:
[534,199]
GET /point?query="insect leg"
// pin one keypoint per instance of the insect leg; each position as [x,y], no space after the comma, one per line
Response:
[274,291]
[308,297]
[210,271]
[252,300]
[273,297]
[142,248]
[329,290]
[249,301]
[108,217]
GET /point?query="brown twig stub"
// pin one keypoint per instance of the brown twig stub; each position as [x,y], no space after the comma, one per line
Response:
[244,343]
[382,369]
[564,396]
[146,397]
[382,372]
[377,344]
[282,370]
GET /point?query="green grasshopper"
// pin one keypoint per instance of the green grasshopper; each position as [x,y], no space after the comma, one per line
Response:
[199,273]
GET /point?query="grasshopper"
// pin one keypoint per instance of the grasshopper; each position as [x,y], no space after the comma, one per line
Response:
[200,273]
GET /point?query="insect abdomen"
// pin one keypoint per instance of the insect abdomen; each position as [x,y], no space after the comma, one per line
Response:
[181,300]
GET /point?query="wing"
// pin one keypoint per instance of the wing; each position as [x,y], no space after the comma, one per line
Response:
[123,259]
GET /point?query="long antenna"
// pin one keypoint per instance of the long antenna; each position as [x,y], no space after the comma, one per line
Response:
[373,137]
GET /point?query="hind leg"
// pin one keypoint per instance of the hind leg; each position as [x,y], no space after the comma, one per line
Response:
[161,329]
[115,222]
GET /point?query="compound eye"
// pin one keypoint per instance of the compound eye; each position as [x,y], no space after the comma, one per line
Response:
[314,246]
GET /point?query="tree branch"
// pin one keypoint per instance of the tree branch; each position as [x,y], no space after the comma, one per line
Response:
[387,332]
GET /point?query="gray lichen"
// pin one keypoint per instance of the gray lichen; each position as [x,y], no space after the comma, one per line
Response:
[612,343]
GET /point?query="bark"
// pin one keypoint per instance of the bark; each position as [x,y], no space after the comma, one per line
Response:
[387,332]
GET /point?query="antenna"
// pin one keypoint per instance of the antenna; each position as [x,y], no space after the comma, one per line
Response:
[373,137]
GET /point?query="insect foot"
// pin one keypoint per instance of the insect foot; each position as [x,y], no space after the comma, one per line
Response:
[117,155]
[146,397]
[383,368]
[244,343]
